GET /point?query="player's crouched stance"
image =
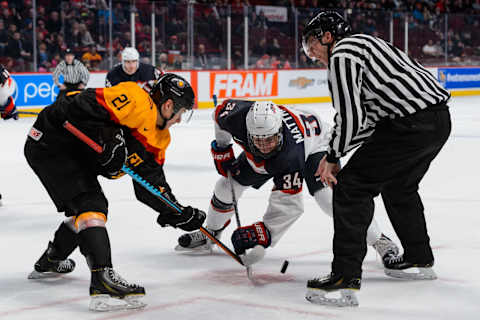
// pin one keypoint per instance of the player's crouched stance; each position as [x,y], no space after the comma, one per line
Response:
[133,128]
[279,143]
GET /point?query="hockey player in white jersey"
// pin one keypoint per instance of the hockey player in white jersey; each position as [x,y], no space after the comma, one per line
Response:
[279,143]
[7,105]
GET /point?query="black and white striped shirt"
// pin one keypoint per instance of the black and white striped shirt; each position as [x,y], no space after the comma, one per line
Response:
[72,73]
[370,80]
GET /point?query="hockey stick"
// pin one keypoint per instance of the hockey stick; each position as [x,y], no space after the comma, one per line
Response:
[95,146]
[28,112]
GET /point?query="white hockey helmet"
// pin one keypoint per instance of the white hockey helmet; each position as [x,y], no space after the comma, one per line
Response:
[264,129]
[129,54]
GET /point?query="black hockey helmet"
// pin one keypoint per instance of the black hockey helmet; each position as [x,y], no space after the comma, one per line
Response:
[322,22]
[172,86]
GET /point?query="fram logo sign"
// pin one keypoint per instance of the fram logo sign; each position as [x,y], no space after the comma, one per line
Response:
[244,84]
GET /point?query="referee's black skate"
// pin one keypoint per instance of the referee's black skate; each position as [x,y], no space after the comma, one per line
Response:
[107,284]
[398,267]
[49,265]
[318,288]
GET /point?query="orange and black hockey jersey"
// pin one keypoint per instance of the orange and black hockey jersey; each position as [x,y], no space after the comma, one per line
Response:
[125,105]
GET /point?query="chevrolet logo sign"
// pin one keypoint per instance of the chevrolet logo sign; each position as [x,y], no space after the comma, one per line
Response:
[301,82]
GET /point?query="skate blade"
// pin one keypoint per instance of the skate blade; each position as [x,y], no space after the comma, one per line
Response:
[200,250]
[35,275]
[347,298]
[416,274]
[104,303]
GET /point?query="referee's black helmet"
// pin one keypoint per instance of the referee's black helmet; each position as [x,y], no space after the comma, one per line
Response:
[325,21]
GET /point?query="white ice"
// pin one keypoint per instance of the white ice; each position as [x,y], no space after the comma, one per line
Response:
[216,287]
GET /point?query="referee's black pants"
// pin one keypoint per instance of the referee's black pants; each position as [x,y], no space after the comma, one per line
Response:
[392,162]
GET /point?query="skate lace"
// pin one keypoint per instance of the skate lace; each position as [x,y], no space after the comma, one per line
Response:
[198,236]
[65,265]
[395,259]
[385,246]
[116,278]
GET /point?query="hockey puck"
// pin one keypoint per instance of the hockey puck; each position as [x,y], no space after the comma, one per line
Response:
[284,266]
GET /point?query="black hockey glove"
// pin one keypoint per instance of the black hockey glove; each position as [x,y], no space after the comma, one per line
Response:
[114,152]
[189,219]
[224,159]
[249,236]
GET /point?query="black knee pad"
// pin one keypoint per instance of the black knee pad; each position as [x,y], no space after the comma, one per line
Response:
[87,201]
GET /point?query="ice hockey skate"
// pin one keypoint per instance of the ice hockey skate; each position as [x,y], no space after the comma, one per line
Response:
[48,267]
[386,248]
[397,267]
[318,288]
[197,242]
[110,292]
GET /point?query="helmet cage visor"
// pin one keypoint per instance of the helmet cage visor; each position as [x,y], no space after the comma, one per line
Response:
[265,146]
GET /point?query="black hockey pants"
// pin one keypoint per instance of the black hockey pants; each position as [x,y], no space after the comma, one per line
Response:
[392,162]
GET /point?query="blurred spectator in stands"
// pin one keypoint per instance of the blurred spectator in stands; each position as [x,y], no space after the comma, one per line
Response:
[173,43]
[92,57]
[85,36]
[58,46]
[260,48]
[369,26]
[178,62]
[431,50]
[455,50]
[237,60]
[3,38]
[263,62]
[202,61]
[119,14]
[53,23]
[41,27]
[274,48]
[12,28]
[75,74]
[163,62]
[175,27]
[18,51]
[261,21]
[42,56]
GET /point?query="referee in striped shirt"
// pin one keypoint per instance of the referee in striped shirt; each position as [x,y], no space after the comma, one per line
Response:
[75,74]
[396,112]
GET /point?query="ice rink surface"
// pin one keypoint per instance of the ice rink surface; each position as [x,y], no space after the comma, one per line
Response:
[215,287]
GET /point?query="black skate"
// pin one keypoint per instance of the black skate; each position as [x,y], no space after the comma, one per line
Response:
[106,284]
[317,289]
[48,266]
[197,242]
[397,267]
[386,248]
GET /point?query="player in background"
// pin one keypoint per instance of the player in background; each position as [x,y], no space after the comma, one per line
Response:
[133,127]
[75,74]
[7,105]
[131,69]
[281,144]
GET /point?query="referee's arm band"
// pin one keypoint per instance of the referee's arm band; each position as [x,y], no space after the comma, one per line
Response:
[331,158]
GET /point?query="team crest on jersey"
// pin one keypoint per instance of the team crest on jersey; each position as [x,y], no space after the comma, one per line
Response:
[35,134]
